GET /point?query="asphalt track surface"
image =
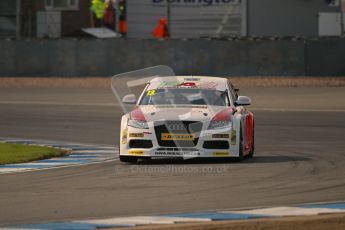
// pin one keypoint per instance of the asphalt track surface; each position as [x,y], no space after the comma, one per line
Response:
[300,157]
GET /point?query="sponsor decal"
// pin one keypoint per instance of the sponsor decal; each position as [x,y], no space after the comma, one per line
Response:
[177,137]
[208,85]
[192,79]
[124,136]
[220,135]
[177,153]
[187,85]
[220,154]
[148,133]
[136,135]
[135,152]
[176,84]
[233,137]
[169,84]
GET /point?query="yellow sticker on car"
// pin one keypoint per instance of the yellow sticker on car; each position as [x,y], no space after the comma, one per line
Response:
[177,137]
[221,154]
[124,136]
[151,92]
[135,152]
[136,135]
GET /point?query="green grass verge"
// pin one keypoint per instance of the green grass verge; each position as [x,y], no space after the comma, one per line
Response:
[20,153]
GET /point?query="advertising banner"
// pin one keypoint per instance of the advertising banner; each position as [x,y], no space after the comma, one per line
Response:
[188,18]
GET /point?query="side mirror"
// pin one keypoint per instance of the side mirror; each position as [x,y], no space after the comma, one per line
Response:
[243,100]
[129,99]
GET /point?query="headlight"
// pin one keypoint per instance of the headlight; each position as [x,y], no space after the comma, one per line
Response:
[137,119]
[221,120]
[138,124]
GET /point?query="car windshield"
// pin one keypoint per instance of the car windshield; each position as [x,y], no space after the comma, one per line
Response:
[184,96]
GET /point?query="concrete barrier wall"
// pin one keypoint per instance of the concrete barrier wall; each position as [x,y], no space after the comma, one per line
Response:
[325,57]
[71,57]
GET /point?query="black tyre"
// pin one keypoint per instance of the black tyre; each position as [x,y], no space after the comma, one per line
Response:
[128,159]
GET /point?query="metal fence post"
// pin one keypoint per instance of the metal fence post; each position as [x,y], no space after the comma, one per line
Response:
[341,17]
[18,18]
[169,17]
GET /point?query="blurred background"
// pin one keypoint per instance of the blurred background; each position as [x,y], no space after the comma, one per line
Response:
[212,37]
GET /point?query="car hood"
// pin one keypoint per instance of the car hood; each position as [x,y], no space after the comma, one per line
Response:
[179,112]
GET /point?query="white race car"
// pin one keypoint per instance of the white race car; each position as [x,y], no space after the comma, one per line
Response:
[187,117]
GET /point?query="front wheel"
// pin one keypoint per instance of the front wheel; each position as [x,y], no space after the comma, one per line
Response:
[128,159]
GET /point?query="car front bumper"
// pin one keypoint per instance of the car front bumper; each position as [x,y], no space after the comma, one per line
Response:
[215,143]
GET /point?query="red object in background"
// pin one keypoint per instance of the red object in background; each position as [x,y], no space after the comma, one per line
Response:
[109,15]
[161,30]
[122,7]
[123,26]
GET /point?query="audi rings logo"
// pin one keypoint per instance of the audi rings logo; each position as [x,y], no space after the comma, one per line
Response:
[176,127]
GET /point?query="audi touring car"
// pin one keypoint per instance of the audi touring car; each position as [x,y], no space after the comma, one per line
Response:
[187,117]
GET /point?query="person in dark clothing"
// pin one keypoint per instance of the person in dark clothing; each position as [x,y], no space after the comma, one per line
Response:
[109,16]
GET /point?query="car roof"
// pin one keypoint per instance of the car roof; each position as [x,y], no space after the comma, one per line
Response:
[202,82]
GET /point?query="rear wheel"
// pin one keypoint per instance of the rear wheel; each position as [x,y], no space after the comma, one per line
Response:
[128,159]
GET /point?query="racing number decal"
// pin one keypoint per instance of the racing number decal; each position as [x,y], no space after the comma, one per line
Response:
[151,92]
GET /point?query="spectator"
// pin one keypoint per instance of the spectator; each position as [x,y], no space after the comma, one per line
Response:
[109,17]
[97,10]
[161,30]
